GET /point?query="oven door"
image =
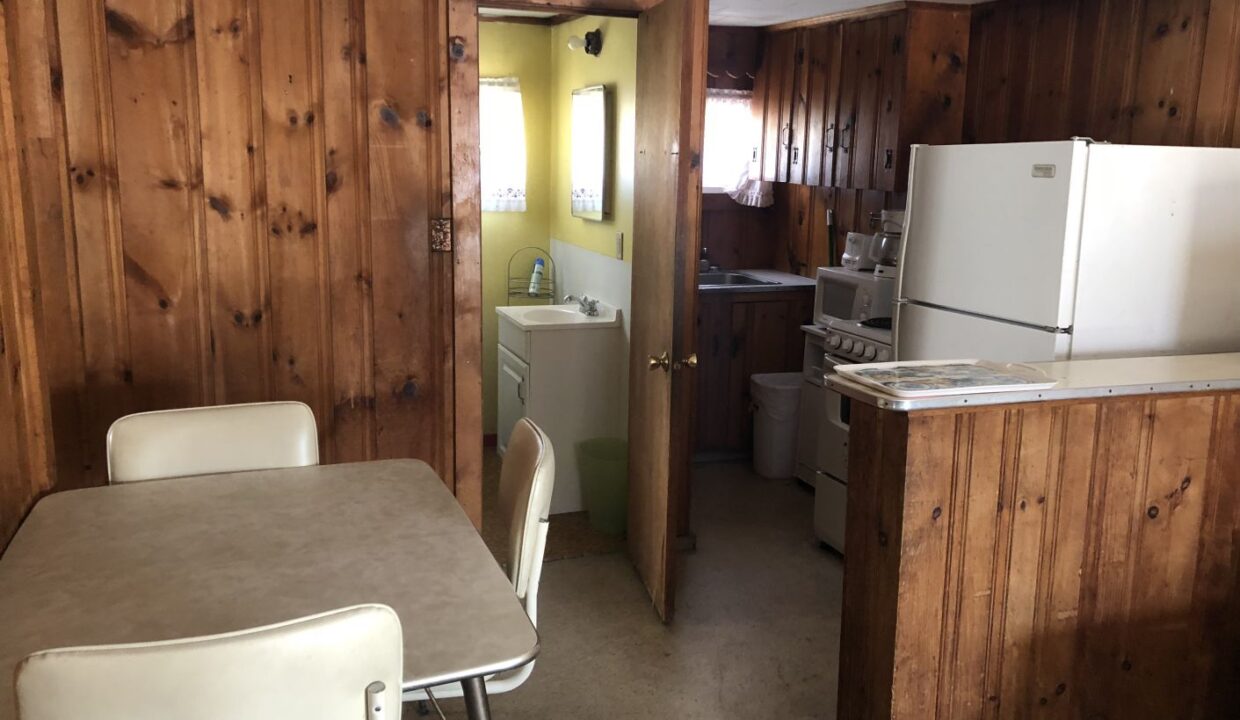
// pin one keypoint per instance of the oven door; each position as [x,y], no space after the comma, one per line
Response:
[833,448]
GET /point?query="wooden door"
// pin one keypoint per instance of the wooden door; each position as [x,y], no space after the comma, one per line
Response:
[671,96]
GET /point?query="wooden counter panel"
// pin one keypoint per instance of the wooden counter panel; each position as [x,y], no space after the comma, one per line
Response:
[1075,559]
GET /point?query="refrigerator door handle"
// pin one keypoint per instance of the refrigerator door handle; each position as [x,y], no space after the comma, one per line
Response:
[981,316]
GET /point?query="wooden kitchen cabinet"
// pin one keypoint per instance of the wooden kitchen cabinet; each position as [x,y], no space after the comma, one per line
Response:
[773,90]
[739,334]
[842,102]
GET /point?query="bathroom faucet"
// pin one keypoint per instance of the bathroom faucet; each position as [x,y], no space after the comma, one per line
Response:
[587,305]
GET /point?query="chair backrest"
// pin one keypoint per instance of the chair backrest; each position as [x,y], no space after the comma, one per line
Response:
[318,667]
[204,440]
[525,484]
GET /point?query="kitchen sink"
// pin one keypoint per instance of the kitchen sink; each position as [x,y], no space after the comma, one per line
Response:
[728,279]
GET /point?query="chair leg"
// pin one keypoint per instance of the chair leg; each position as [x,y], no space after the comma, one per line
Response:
[434,703]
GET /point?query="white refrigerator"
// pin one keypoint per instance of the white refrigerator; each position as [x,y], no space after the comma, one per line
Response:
[1069,250]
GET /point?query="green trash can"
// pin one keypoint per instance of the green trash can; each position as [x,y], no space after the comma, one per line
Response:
[603,464]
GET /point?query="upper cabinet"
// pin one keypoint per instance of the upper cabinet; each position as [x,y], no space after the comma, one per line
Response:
[839,104]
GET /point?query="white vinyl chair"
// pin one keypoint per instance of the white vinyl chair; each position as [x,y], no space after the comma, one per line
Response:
[525,484]
[218,439]
[332,666]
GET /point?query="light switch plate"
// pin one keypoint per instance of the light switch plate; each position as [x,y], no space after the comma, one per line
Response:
[619,246]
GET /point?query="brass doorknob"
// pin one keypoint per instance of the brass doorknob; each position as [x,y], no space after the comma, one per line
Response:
[689,362]
[660,361]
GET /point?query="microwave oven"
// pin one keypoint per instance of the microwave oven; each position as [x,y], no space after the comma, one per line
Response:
[856,295]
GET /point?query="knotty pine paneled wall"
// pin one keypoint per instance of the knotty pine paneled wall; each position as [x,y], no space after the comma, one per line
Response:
[231,201]
[26,469]
[1157,72]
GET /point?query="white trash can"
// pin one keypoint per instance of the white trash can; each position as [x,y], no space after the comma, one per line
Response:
[776,399]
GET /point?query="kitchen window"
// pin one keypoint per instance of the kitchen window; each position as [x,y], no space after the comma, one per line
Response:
[729,137]
[501,144]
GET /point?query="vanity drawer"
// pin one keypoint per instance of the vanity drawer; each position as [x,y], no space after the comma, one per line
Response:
[514,338]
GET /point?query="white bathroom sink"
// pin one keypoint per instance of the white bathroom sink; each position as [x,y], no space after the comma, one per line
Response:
[550,317]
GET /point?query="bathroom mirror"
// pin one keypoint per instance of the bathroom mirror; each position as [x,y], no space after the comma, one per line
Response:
[589,144]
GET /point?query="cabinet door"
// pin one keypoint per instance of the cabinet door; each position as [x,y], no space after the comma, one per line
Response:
[511,396]
[761,90]
[851,42]
[714,343]
[780,68]
[869,88]
[822,60]
[887,146]
[798,109]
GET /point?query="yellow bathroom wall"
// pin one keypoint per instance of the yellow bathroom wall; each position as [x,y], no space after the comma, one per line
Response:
[523,51]
[615,68]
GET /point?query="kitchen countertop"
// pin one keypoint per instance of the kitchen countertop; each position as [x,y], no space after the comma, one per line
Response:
[781,282]
[1080,379]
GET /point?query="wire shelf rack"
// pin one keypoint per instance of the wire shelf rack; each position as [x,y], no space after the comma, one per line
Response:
[521,270]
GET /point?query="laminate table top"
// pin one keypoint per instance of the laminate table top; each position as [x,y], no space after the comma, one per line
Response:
[196,556]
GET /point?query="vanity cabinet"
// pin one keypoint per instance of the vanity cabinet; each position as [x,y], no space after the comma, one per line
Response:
[841,103]
[570,377]
[740,334]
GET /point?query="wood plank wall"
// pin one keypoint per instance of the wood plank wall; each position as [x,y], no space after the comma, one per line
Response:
[1157,72]
[231,202]
[1062,560]
[25,427]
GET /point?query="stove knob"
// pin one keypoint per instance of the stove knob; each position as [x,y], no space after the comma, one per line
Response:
[870,352]
[884,355]
[847,345]
[833,341]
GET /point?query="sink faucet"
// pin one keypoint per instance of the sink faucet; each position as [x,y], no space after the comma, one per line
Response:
[587,305]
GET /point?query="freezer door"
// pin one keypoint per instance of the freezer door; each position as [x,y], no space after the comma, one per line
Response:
[924,333]
[1160,252]
[994,229]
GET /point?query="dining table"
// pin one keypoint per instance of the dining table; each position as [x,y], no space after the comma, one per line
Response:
[186,557]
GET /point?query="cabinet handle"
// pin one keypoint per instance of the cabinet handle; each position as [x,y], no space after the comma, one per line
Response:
[796,155]
[846,146]
[828,143]
[890,159]
[755,153]
[786,129]
[661,361]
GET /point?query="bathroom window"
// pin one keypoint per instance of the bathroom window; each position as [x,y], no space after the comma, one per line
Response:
[728,142]
[502,144]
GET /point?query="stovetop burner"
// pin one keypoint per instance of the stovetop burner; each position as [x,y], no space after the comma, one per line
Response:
[883,323]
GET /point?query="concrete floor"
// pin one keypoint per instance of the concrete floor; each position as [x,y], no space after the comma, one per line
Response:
[756,632]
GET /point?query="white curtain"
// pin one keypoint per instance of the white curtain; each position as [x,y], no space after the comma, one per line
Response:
[728,148]
[502,144]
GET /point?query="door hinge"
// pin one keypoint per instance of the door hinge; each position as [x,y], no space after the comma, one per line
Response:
[441,234]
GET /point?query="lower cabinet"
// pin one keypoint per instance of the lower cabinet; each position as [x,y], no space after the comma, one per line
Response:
[740,334]
[514,375]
